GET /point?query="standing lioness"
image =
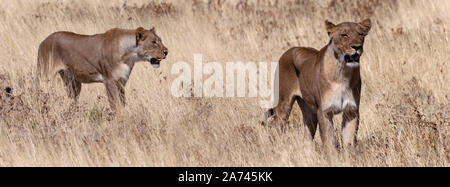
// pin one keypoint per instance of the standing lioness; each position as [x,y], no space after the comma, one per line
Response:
[107,58]
[324,83]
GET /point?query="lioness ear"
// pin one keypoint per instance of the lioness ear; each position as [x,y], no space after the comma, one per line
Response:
[366,25]
[140,34]
[330,27]
[153,30]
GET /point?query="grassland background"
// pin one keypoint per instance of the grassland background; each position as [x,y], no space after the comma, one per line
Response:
[405,96]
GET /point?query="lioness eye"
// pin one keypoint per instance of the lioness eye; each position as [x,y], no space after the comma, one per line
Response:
[155,42]
[344,35]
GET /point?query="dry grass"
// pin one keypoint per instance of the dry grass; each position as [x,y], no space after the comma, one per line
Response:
[405,99]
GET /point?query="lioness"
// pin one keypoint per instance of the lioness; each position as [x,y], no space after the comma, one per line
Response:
[107,58]
[324,83]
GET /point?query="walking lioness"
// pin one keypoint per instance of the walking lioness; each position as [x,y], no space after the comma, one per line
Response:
[324,83]
[107,58]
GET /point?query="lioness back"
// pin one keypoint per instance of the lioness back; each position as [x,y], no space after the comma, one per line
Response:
[297,56]
[67,50]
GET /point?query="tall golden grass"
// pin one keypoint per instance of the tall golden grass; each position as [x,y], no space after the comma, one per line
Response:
[405,96]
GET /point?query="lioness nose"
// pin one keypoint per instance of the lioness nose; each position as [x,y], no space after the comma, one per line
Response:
[356,47]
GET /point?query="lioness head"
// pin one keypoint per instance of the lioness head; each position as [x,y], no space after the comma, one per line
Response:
[347,40]
[150,46]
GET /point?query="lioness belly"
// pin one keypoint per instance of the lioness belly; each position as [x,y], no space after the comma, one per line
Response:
[90,78]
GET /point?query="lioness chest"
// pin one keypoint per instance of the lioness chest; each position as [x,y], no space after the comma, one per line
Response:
[121,71]
[338,97]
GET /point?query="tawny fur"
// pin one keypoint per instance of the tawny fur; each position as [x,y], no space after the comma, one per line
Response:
[324,83]
[102,58]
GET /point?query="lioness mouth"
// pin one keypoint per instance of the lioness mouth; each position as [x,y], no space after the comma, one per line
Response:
[155,62]
[352,58]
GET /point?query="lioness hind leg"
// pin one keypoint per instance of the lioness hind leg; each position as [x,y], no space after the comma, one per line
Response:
[279,115]
[73,86]
[265,117]
[283,111]
[287,95]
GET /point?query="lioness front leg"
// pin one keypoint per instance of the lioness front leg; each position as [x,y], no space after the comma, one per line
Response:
[114,90]
[326,128]
[350,123]
[121,88]
[309,119]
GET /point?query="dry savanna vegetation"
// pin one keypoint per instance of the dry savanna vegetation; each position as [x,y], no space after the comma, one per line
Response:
[405,106]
